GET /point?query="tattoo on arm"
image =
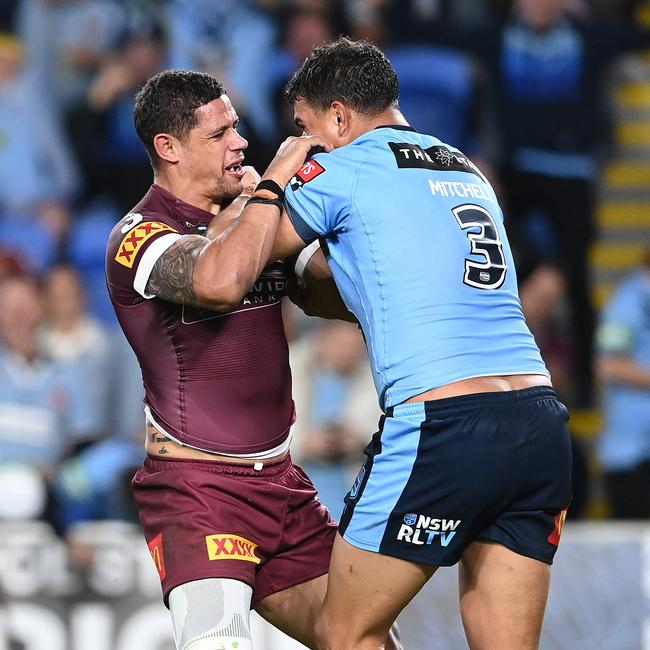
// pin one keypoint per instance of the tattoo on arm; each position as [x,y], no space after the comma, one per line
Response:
[172,275]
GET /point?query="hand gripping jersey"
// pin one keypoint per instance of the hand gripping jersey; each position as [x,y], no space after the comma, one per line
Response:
[419,252]
[218,382]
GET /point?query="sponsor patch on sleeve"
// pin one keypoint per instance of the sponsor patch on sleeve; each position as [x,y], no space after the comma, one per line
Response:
[128,249]
[308,172]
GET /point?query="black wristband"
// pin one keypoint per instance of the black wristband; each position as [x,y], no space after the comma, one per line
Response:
[271,186]
[259,199]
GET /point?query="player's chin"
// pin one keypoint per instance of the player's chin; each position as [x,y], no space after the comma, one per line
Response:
[230,188]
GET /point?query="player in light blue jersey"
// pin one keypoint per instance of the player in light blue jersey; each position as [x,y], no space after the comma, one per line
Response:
[472,460]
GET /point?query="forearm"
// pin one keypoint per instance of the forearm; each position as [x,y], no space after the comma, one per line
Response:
[622,370]
[229,265]
[227,217]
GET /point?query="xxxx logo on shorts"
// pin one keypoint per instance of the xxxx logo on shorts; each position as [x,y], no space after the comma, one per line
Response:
[134,240]
[156,550]
[231,547]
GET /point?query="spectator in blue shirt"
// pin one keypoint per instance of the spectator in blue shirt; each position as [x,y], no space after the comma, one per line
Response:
[35,161]
[624,367]
[43,407]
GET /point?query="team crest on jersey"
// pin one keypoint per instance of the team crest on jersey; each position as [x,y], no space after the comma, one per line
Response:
[231,547]
[308,172]
[134,240]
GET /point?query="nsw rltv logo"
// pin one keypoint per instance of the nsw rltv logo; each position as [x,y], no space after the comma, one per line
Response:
[421,530]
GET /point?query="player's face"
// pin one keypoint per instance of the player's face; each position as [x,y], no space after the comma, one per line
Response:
[213,153]
[315,121]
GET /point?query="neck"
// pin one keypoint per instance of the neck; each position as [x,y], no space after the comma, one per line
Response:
[391,116]
[23,344]
[185,190]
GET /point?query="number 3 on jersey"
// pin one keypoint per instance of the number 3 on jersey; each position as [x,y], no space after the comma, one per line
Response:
[484,236]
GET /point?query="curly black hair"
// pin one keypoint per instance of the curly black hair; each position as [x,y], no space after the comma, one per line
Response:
[167,104]
[354,72]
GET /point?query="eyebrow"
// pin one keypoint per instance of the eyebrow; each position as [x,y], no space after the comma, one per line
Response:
[220,130]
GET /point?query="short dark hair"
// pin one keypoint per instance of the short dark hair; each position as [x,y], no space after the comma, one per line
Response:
[167,104]
[354,72]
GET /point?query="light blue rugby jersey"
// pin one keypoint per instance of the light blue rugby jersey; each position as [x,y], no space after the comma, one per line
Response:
[418,250]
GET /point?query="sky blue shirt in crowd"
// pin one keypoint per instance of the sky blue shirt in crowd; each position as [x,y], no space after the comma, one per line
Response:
[44,407]
[419,253]
[625,331]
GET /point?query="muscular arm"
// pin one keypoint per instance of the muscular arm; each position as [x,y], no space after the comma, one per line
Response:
[316,292]
[217,273]
[172,277]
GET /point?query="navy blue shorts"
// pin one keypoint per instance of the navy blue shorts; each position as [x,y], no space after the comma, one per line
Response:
[442,474]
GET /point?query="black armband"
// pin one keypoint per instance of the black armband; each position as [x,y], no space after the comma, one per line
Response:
[271,186]
[276,202]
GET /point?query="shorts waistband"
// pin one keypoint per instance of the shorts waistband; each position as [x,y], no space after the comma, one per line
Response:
[439,406]
[268,469]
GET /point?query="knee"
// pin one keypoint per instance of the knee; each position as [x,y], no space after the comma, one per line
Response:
[330,636]
[321,633]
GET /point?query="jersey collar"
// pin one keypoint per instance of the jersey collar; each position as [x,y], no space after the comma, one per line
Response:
[397,127]
[190,213]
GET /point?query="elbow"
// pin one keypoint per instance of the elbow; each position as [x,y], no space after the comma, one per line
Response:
[220,294]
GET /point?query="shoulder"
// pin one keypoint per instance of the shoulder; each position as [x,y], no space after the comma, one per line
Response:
[134,230]
[136,241]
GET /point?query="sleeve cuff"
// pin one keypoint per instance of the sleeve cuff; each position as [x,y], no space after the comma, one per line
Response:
[147,261]
[306,232]
[303,259]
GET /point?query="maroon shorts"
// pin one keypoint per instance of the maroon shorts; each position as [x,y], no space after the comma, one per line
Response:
[210,519]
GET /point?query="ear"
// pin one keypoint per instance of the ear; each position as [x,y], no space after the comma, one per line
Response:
[342,117]
[167,147]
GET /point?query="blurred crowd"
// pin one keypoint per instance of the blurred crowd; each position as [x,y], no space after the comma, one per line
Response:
[518,85]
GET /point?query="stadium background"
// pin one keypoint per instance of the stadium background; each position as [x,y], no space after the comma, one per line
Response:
[74,572]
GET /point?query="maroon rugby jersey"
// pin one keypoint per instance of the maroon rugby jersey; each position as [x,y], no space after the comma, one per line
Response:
[219,382]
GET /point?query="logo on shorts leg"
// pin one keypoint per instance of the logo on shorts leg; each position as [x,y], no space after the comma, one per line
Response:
[554,537]
[420,530]
[231,547]
[357,483]
[156,550]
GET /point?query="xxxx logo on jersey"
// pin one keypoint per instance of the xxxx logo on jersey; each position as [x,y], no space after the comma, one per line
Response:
[133,241]
[231,547]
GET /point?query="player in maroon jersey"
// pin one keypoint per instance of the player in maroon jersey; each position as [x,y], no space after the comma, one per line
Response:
[230,521]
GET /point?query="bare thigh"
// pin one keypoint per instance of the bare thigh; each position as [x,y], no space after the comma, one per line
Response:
[502,597]
[366,592]
[294,610]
